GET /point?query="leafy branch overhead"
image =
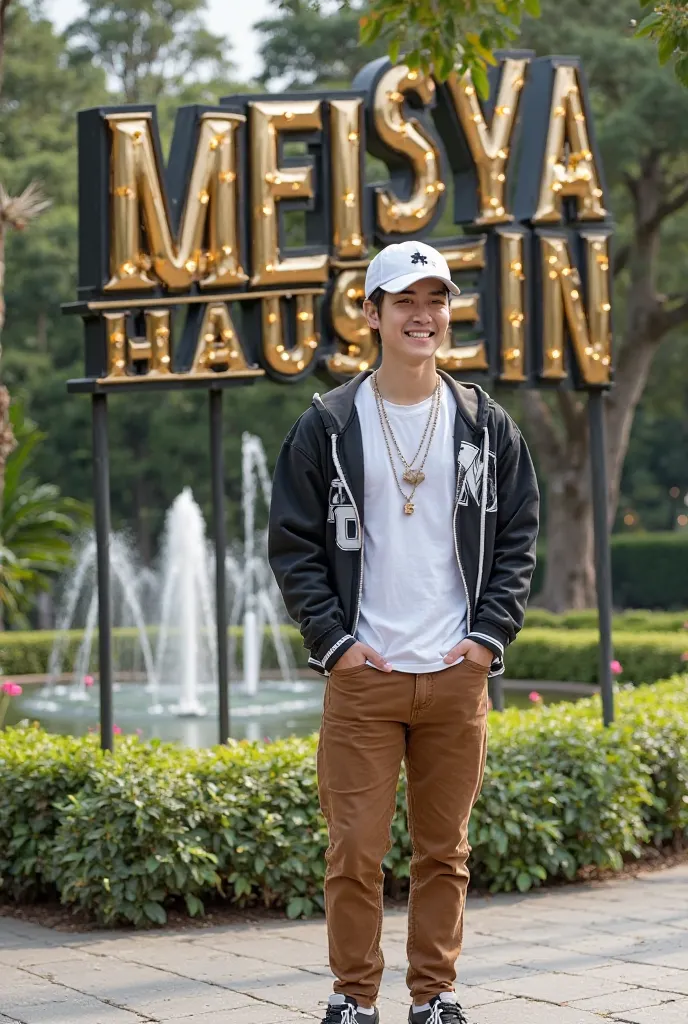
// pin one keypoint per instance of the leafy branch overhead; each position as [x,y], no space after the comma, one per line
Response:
[667,24]
[428,34]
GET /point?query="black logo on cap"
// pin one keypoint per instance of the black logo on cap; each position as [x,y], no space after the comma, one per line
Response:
[418,257]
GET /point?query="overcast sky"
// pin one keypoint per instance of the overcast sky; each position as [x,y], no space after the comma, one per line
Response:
[231,18]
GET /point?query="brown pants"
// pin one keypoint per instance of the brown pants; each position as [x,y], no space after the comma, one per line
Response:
[372,720]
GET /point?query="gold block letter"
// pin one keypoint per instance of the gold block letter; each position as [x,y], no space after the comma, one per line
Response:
[137,195]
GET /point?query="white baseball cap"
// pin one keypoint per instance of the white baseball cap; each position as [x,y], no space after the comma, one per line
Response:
[399,266]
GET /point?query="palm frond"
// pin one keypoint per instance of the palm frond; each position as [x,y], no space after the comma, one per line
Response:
[18,211]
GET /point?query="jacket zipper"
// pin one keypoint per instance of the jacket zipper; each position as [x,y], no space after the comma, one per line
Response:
[458,556]
[340,471]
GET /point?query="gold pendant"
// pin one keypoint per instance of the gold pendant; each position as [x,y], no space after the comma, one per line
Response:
[409,508]
[414,476]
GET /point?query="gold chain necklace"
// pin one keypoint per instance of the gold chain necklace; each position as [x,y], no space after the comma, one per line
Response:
[419,476]
[411,476]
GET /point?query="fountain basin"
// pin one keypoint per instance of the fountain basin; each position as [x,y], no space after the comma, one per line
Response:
[281,708]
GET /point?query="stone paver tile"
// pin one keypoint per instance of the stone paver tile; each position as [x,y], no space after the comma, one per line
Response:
[299,931]
[301,993]
[556,988]
[647,975]
[601,944]
[543,933]
[631,999]
[499,951]
[660,954]
[260,1013]
[668,1013]
[473,995]
[279,950]
[552,958]
[390,1012]
[133,945]
[28,930]
[19,988]
[110,979]
[663,915]
[204,964]
[182,1007]
[477,971]
[34,955]
[524,1011]
[77,1011]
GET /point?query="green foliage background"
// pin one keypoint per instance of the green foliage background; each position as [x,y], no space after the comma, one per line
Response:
[159,444]
[125,836]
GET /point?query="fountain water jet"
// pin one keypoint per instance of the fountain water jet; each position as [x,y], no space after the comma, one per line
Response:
[125,576]
[256,593]
[187,648]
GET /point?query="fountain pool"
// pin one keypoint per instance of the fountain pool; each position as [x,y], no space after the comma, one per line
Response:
[281,708]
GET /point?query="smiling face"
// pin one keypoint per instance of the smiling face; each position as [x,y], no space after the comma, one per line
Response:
[412,323]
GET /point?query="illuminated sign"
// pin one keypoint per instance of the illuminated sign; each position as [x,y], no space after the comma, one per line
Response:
[245,254]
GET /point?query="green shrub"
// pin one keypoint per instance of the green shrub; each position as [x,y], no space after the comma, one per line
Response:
[649,570]
[623,622]
[573,655]
[28,653]
[38,772]
[124,835]
[540,653]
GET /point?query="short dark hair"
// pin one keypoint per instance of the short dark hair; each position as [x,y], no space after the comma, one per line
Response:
[376,298]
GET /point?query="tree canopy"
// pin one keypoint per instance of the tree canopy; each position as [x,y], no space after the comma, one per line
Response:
[160,443]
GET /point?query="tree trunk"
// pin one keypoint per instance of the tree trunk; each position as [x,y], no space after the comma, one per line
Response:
[562,441]
[569,580]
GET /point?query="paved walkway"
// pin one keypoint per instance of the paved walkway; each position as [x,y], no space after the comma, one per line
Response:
[617,952]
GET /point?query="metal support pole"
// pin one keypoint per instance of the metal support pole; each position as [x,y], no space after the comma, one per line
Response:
[101,503]
[495,689]
[603,567]
[217,474]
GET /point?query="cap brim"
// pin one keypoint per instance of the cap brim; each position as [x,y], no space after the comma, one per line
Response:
[400,284]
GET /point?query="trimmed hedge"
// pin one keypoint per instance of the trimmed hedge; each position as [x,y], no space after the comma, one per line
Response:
[624,622]
[568,655]
[649,570]
[573,655]
[28,653]
[125,835]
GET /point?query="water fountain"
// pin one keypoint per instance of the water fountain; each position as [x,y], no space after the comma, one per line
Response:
[171,612]
[257,596]
[186,643]
[82,584]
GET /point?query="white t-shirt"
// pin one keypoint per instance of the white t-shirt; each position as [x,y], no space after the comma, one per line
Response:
[413,603]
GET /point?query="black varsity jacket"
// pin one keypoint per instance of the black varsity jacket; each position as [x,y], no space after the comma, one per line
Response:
[317,514]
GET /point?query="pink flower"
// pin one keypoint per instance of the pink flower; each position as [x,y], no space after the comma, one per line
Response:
[535,697]
[139,732]
[117,731]
[616,668]
[685,625]
[88,680]
[12,689]
[684,656]
[489,703]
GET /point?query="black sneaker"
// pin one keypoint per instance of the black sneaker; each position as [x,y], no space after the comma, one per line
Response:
[444,1009]
[344,1010]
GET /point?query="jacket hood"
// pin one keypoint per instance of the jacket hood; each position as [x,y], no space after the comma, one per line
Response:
[336,407]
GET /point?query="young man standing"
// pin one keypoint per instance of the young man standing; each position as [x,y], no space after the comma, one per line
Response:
[402,535]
